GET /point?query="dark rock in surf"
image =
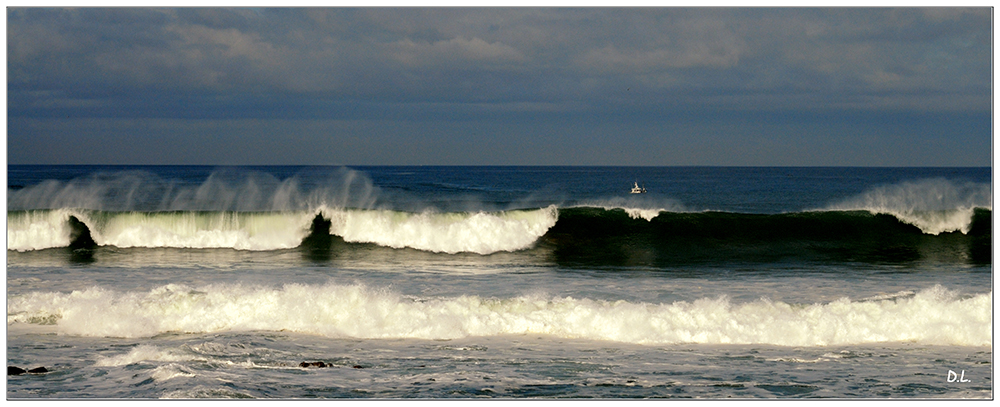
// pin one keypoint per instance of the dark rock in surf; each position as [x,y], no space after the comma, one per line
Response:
[323,364]
[15,371]
[317,244]
[80,238]
[319,233]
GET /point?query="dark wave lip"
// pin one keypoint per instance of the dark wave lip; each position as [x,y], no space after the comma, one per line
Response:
[594,236]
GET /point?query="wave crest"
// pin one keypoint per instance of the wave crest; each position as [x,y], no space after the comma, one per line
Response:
[474,232]
[636,208]
[935,205]
[42,229]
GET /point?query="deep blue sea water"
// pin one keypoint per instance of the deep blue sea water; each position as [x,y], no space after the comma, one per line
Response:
[499,282]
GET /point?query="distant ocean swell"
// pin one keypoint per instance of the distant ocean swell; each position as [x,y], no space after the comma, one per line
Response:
[932,316]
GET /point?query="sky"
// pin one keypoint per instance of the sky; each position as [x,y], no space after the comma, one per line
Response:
[645,86]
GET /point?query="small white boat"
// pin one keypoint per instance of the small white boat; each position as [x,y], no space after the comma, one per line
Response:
[637,190]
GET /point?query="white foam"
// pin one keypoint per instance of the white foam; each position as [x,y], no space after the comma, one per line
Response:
[935,205]
[474,232]
[636,208]
[236,230]
[170,371]
[931,316]
[647,214]
[143,353]
[36,230]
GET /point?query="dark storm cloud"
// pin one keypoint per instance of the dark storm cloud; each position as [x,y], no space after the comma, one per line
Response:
[311,62]
[576,86]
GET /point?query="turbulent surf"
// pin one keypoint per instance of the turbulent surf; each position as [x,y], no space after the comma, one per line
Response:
[352,311]
[436,282]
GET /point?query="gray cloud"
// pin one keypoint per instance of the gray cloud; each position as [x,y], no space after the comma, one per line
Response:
[481,66]
[829,58]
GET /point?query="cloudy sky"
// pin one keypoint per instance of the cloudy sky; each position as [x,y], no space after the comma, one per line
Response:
[500,86]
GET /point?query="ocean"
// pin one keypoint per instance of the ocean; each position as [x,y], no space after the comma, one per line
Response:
[277,282]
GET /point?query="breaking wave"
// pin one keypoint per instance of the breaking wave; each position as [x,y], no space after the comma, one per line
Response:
[898,222]
[472,232]
[478,232]
[935,206]
[931,316]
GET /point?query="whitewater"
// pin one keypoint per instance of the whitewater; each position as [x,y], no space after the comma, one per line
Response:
[478,232]
[498,282]
[933,316]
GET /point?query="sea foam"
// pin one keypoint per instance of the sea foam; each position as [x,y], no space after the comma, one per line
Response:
[41,229]
[636,208]
[931,316]
[475,232]
[36,230]
[237,230]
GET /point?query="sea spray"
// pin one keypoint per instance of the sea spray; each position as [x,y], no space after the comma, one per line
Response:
[249,211]
[934,205]
[222,190]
